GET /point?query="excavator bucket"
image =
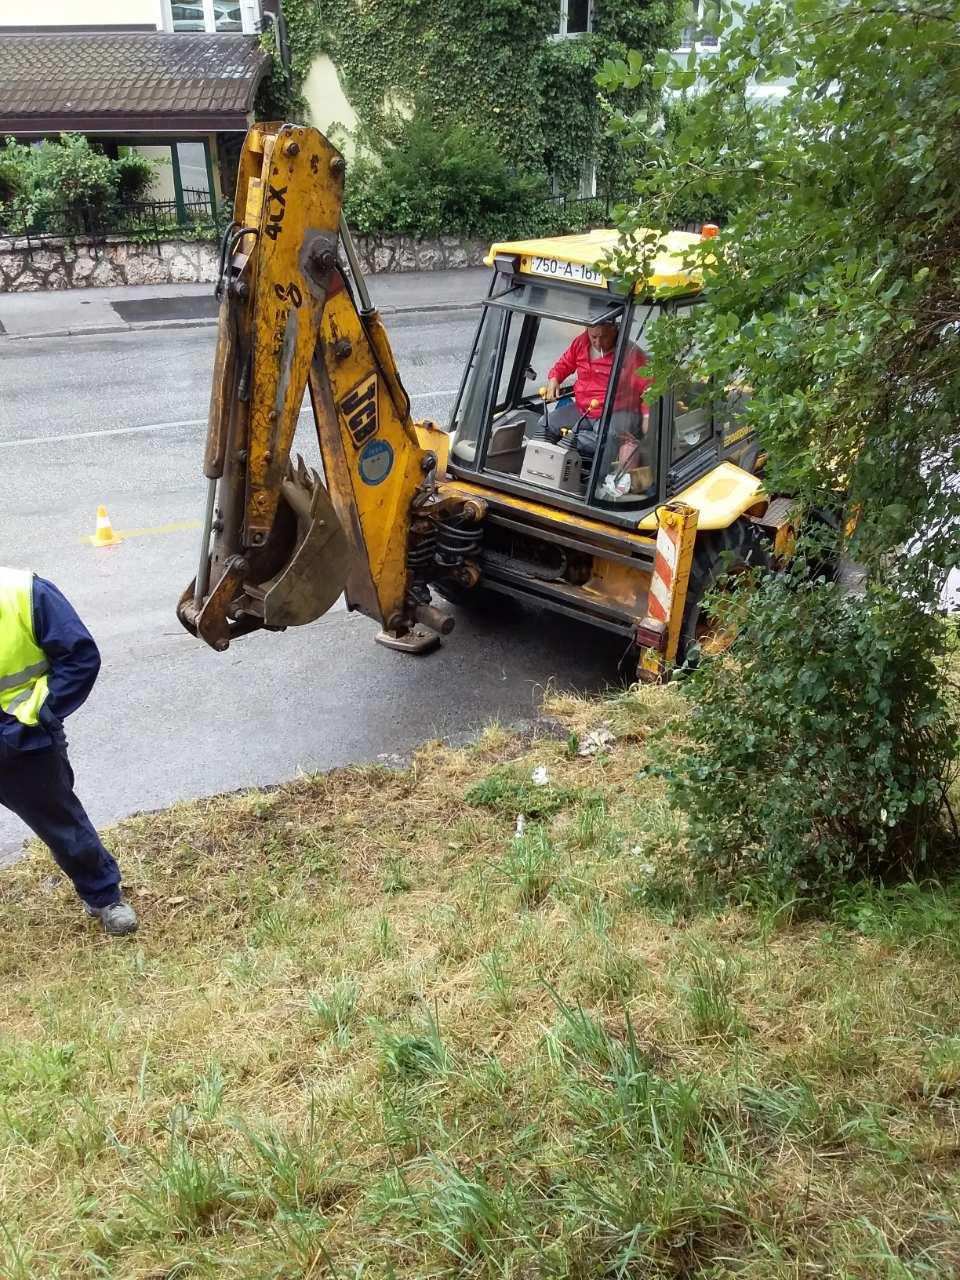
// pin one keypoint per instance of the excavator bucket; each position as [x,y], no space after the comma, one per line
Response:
[297,575]
[318,561]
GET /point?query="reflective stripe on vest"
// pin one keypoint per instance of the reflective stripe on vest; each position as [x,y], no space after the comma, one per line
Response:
[21,677]
[23,664]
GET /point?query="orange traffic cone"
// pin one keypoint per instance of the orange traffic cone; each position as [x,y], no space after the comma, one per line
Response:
[104,536]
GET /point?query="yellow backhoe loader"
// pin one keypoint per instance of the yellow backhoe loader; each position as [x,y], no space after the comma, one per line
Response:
[623,520]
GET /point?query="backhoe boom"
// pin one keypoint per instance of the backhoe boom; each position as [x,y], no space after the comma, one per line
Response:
[279,543]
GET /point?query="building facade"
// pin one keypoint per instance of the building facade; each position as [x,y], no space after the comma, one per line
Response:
[174,81]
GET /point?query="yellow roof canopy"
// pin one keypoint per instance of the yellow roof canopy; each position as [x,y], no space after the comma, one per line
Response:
[591,248]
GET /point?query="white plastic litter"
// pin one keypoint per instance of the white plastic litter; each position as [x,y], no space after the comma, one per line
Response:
[540,777]
[596,741]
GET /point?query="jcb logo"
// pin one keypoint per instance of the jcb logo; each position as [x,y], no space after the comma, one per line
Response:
[358,409]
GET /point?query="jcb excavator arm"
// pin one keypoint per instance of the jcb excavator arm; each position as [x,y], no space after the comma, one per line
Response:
[279,545]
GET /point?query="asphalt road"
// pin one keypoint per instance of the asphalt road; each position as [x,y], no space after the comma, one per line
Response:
[118,419]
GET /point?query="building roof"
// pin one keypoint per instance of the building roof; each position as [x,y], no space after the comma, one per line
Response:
[129,81]
[589,251]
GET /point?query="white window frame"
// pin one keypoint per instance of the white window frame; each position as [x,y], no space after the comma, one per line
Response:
[701,46]
[588,180]
[250,18]
[562,33]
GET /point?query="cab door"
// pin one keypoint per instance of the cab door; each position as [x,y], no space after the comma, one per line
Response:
[692,443]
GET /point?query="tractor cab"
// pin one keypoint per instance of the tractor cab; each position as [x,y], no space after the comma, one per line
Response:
[610,453]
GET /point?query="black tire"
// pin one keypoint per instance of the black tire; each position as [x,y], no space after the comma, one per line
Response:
[748,459]
[830,523]
[724,552]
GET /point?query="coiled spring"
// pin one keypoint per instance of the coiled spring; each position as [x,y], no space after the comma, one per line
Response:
[458,539]
[422,549]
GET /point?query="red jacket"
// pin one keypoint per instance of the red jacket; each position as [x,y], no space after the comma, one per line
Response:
[593,376]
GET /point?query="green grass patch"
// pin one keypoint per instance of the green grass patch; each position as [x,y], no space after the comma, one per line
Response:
[374,1027]
[511,789]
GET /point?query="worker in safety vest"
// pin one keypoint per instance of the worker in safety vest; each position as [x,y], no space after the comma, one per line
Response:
[48,665]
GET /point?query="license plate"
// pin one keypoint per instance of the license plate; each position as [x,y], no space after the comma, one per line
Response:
[575,271]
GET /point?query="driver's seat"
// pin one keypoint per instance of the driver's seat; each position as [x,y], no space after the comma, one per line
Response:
[506,445]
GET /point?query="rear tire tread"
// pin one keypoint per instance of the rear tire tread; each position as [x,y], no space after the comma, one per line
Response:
[740,545]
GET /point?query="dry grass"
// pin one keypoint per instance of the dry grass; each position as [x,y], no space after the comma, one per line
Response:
[367,1030]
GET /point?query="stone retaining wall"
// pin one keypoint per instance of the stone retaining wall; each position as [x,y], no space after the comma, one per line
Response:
[77,264]
[403,253]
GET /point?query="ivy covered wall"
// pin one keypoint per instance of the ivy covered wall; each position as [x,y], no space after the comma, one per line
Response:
[461,61]
[573,110]
[280,97]
[487,64]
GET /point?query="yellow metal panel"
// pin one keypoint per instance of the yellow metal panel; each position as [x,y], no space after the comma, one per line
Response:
[254,205]
[431,437]
[719,497]
[371,454]
[619,584]
[683,519]
[299,216]
[592,247]
[676,540]
[570,522]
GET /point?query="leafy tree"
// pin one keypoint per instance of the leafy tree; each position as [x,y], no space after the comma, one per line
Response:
[834,289]
[686,120]
[833,292]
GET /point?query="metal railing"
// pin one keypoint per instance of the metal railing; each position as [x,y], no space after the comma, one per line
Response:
[151,220]
[604,201]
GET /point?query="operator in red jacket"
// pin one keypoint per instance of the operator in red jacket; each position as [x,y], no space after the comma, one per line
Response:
[590,356]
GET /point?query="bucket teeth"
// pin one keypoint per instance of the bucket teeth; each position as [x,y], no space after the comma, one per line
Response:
[301,475]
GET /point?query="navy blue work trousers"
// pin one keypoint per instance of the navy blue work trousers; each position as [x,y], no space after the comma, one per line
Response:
[38,787]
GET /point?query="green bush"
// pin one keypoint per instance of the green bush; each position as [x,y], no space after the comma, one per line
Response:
[821,746]
[437,180]
[9,179]
[133,174]
[440,181]
[69,175]
[68,185]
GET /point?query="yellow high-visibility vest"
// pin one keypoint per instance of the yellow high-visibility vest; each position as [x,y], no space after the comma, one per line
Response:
[23,664]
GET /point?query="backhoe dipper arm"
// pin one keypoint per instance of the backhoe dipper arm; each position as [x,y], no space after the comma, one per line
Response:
[279,546]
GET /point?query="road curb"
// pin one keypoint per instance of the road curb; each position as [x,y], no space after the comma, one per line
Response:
[436,306]
[205,322]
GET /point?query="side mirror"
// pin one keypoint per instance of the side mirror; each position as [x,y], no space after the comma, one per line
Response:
[530,374]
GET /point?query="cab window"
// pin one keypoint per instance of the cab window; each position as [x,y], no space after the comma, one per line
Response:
[471,411]
[524,330]
[692,416]
[731,407]
[627,475]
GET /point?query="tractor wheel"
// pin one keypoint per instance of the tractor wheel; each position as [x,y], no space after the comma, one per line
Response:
[717,557]
[829,564]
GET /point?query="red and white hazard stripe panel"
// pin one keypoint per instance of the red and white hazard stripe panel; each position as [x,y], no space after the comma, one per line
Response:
[664,571]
